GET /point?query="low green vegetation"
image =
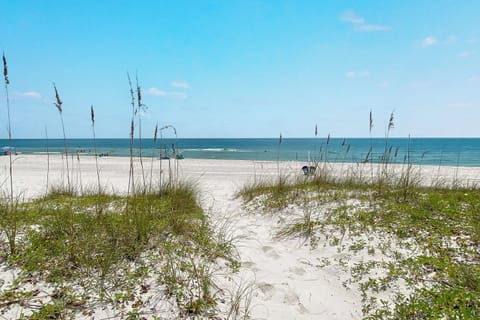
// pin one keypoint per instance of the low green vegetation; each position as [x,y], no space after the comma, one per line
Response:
[112,250]
[413,252]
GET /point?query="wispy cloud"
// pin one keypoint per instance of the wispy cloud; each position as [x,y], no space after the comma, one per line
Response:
[371,28]
[180,84]
[432,40]
[32,95]
[156,92]
[161,93]
[466,53]
[357,74]
[352,17]
[474,78]
[429,41]
[359,23]
[27,95]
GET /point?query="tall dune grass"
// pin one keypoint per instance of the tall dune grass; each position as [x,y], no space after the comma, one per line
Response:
[9,125]
[92,118]
[159,235]
[131,174]
[58,103]
[141,108]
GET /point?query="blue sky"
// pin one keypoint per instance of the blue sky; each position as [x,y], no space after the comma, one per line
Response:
[244,68]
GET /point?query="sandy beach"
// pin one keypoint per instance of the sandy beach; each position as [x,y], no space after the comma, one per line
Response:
[285,277]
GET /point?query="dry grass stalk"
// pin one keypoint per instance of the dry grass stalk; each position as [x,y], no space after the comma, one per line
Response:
[140,109]
[92,117]
[5,69]
[131,182]
[155,135]
[280,140]
[371,145]
[391,125]
[7,82]
[48,161]
[58,103]
[371,122]
[79,172]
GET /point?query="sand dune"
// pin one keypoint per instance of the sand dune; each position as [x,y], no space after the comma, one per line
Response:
[284,279]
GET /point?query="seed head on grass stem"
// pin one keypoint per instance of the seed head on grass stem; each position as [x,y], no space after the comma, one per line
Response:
[391,125]
[92,117]
[5,70]
[7,82]
[58,103]
[131,182]
[140,109]
[371,121]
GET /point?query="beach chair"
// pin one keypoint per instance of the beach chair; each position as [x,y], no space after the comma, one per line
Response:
[308,170]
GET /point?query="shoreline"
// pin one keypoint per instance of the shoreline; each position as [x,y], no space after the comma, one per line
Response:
[431,151]
[30,171]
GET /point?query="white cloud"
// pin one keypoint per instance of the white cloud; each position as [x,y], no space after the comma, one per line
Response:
[359,23]
[371,28]
[429,41]
[356,74]
[466,53]
[474,78]
[160,93]
[180,84]
[27,95]
[352,17]
[156,92]
[31,95]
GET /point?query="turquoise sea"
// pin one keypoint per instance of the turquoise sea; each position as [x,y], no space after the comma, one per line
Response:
[427,151]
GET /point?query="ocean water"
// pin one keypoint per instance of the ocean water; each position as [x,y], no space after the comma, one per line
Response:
[427,151]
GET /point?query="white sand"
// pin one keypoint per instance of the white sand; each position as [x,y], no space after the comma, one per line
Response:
[284,277]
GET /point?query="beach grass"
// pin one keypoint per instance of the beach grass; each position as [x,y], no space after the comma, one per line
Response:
[106,248]
[91,251]
[428,236]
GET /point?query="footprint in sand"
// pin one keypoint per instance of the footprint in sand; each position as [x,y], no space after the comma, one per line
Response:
[267,289]
[291,298]
[270,252]
[297,272]
[250,265]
